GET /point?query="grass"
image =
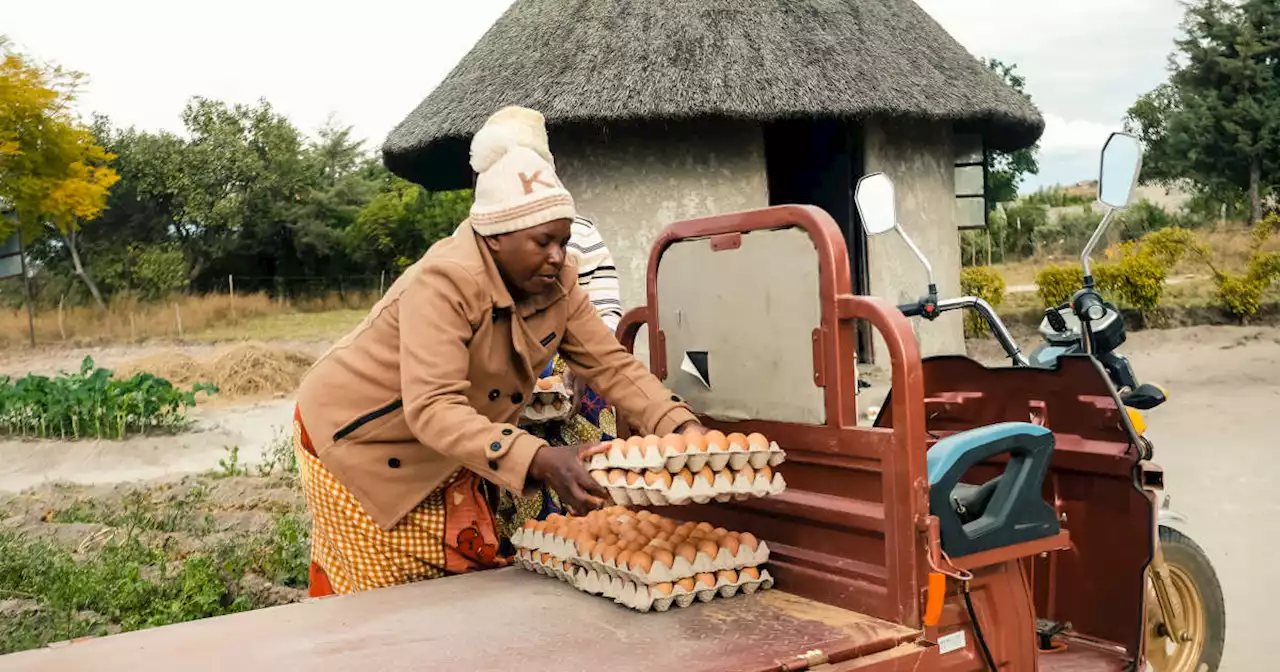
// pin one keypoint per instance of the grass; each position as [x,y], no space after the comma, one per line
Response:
[152,557]
[210,317]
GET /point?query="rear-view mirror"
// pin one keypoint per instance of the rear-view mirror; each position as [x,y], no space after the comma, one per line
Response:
[874,199]
[1121,163]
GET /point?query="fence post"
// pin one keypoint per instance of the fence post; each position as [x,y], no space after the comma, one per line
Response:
[177,315]
[231,285]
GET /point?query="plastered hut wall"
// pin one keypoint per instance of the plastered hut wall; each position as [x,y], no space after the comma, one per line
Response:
[919,158]
[634,181]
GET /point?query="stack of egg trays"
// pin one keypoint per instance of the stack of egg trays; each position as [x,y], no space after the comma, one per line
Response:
[639,592]
[736,474]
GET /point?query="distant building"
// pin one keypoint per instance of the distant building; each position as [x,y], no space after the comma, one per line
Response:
[669,110]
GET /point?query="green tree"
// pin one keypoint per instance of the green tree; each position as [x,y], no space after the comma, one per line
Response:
[1215,121]
[54,177]
[1006,170]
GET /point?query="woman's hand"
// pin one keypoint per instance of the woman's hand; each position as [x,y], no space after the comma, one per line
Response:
[562,468]
[578,387]
[692,425]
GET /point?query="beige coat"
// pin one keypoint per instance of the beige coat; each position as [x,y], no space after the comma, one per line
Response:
[436,375]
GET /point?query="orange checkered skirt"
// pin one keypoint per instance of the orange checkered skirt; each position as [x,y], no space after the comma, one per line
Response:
[451,532]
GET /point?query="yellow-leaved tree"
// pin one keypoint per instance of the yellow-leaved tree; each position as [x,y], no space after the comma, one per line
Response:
[54,177]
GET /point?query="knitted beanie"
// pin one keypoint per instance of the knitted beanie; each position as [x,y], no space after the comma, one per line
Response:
[517,187]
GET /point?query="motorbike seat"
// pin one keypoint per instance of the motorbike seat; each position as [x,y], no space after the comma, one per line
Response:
[1006,510]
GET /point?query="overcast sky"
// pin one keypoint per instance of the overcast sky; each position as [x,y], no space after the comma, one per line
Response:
[370,62]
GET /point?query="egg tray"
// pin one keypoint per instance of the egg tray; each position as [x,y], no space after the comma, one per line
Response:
[554,392]
[637,596]
[725,487]
[703,563]
[657,458]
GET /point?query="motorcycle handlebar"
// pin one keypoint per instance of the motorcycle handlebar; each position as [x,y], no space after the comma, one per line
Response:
[993,321]
[911,309]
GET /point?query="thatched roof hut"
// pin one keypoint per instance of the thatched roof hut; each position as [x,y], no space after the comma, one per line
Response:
[616,61]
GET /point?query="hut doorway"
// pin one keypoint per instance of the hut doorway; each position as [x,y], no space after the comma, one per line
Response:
[818,162]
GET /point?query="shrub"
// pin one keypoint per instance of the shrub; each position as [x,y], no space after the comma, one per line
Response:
[1241,295]
[985,283]
[1056,284]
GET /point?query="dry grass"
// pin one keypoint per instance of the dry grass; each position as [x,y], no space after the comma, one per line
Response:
[208,317]
[245,371]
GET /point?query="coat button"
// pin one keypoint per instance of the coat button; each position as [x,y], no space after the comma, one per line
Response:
[494,394]
[507,432]
[675,398]
[394,463]
[493,466]
[517,398]
[495,446]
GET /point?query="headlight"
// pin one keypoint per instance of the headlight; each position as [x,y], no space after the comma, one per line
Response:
[1096,312]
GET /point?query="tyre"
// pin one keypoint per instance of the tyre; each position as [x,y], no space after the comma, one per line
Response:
[1195,586]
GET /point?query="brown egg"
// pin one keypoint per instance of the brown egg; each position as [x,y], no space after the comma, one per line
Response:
[687,584]
[530,524]
[694,430]
[705,527]
[705,579]
[719,533]
[717,442]
[644,514]
[664,557]
[641,562]
[610,540]
[586,547]
[543,526]
[695,443]
[652,441]
[634,478]
[620,444]
[647,529]
[617,477]
[610,553]
[667,526]
[677,539]
[749,574]
[727,575]
[635,442]
[706,475]
[624,556]
[659,479]
[638,544]
[545,384]
[597,553]
[749,540]
[673,442]
[747,472]
[662,544]
[738,439]
[709,547]
[663,589]
[765,471]
[729,543]
[757,441]
[684,475]
[687,551]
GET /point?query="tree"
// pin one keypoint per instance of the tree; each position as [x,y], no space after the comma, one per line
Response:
[1005,170]
[53,175]
[1215,122]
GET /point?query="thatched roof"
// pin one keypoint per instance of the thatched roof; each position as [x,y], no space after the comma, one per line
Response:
[620,61]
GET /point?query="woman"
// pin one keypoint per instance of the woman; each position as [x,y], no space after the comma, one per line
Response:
[404,422]
[592,421]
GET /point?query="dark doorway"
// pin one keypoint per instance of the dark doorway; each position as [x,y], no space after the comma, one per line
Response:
[812,162]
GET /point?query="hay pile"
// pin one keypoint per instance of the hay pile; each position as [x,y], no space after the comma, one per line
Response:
[245,371]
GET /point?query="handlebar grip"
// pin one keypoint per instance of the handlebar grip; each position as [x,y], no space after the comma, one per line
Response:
[911,309]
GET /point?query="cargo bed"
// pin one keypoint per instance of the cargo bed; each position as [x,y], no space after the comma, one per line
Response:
[499,620]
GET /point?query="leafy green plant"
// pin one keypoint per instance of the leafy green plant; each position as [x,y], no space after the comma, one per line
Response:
[279,454]
[1241,295]
[985,283]
[92,404]
[230,466]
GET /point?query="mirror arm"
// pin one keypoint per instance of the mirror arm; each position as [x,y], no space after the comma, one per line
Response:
[1093,242]
[928,268]
[998,329]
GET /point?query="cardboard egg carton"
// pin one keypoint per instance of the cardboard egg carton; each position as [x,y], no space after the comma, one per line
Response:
[629,488]
[657,572]
[551,400]
[675,453]
[662,597]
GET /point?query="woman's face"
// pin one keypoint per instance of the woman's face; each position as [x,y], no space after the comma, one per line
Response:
[530,260]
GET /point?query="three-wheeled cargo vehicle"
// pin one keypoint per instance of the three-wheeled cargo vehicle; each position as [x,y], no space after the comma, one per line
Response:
[893,548]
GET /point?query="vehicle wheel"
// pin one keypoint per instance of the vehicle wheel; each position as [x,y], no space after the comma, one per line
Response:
[1196,588]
